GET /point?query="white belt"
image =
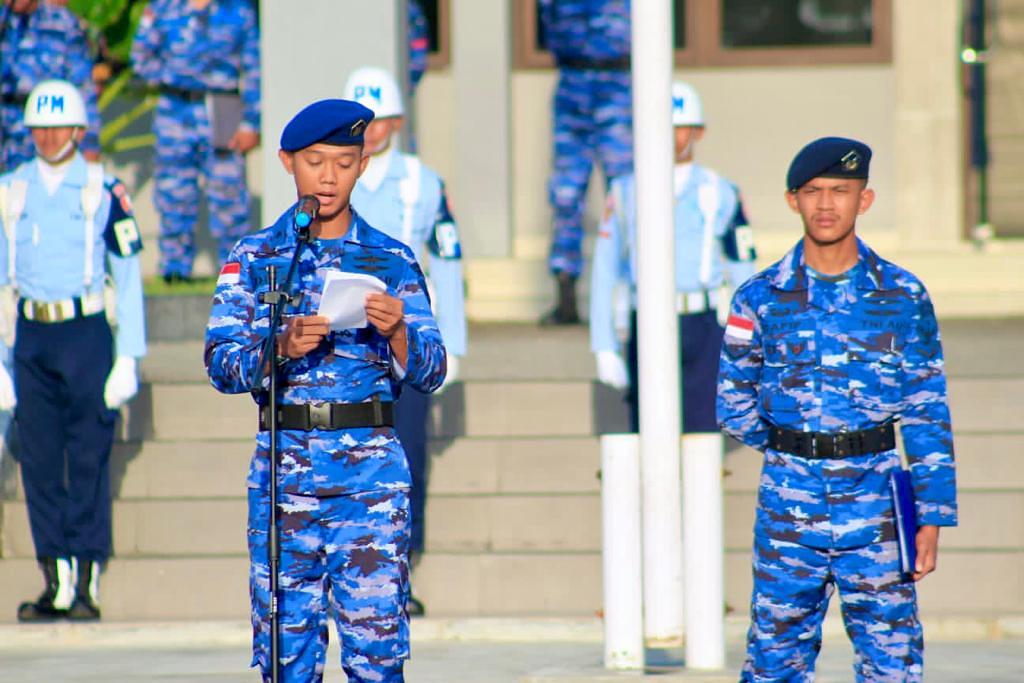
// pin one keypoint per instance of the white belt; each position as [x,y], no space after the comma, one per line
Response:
[60,311]
[696,302]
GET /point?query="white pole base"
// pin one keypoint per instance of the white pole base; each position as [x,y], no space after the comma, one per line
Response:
[621,553]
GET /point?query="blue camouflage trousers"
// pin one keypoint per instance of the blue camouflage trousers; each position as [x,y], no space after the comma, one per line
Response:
[792,587]
[349,553]
[16,146]
[593,119]
[183,154]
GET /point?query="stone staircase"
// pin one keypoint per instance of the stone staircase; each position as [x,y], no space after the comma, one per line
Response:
[514,509]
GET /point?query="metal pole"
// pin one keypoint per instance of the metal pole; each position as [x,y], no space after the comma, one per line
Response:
[656,323]
[273,537]
[620,552]
[703,550]
[975,55]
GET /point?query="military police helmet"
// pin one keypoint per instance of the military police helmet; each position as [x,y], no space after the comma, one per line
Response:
[686,107]
[54,103]
[376,89]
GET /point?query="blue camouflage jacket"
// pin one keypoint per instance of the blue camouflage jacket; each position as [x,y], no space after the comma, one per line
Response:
[586,29]
[213,49]
[805,356]
[48,43]
[351,366]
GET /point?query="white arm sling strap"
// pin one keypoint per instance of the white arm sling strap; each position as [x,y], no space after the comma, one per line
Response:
[708,201]
[92,197]
[409,192]
[12,203]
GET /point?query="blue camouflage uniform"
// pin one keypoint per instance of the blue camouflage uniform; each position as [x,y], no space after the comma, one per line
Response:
[420,218]
[61,363]
[713,244]
[593,116]
[344,509]
[419,44]
[192,54]
[44,44]
[811,353]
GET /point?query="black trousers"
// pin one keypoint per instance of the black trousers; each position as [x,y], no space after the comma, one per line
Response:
[65,433]
[700,343]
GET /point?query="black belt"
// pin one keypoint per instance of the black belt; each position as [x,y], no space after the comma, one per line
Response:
[307,416]
[192,95]
[14,98]
[584,64]
[819,445]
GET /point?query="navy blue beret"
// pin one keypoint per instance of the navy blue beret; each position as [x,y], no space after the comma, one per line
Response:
[332,122]
[828,158]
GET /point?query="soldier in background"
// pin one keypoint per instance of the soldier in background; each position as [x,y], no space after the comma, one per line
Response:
[593,120]
[823,353]
[40,39]
[203,55]
[67,227]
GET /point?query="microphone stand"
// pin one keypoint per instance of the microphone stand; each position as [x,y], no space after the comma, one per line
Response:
[278,299]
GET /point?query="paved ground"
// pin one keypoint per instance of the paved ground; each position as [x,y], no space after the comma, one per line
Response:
[453,662]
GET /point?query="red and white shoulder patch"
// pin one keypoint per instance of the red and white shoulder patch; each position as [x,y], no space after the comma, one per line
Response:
[739,327]
[230,273]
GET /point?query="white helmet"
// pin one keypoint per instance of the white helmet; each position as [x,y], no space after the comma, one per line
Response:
[686,109]
[54,103]
[376,89]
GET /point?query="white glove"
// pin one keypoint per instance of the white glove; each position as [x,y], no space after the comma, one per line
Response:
[452,375]
[611,370]
[7,397]
[122,383]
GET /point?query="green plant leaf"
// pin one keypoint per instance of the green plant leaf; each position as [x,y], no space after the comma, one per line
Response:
[98,13]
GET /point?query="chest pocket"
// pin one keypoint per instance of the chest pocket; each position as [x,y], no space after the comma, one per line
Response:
[875,370]
[787,386]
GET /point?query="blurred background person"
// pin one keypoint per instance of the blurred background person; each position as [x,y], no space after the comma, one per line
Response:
[714,244]
[404,198]
[593,120]
[203,55]
[68,227]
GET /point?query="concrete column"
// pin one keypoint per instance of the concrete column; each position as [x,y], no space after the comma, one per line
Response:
[928,126]
[308,49]
[482,187]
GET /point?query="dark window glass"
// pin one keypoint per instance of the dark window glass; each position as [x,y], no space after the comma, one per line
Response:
[680,27]
[796,23]
[433,14]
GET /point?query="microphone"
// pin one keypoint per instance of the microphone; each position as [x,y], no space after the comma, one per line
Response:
[305,214]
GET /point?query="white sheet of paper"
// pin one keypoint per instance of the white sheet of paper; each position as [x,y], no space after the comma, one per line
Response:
[343,301]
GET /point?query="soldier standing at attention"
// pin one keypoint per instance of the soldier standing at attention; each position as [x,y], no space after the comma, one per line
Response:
[343,476]
[823,353]
[40,40]
[67,227]
[593,119]
[713,244]
[204,57]
[406,199]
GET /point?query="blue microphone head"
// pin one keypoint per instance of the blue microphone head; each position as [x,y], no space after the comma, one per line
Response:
[303,219]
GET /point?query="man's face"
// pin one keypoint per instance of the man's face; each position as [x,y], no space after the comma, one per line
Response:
[829,207]
[328,172]
[52,143]
[378,134]
[685,137]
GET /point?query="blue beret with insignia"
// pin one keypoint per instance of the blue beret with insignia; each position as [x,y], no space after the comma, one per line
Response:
[828,158]
[331,122]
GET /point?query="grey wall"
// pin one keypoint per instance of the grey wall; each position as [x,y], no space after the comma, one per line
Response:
[308,48]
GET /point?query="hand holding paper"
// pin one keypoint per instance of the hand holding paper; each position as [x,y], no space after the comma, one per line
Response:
[344,298]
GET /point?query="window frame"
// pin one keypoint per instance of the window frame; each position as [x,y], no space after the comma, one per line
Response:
[442,59]
[704,47]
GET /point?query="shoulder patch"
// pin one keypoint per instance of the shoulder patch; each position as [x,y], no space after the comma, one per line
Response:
[122,236]
[444,239]
[739,327]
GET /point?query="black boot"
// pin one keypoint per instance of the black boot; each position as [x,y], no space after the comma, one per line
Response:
[564,312]
[53,604]
[86,606]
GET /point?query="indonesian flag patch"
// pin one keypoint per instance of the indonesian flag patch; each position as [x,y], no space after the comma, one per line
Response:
[230,274]
[739,327]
